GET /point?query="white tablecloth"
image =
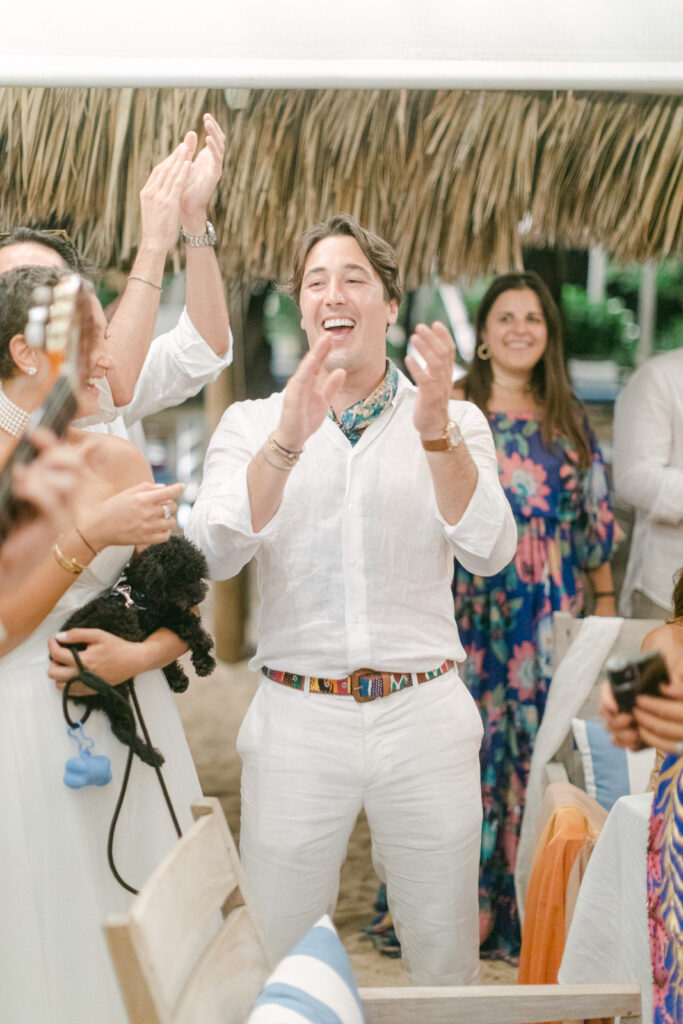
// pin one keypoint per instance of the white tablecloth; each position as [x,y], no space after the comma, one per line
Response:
[608,939]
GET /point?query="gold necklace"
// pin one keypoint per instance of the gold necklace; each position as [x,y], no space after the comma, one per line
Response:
[519,389]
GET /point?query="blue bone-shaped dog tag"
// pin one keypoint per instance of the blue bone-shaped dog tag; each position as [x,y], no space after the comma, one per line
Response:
[87,769]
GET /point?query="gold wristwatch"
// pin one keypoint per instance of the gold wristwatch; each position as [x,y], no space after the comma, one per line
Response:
[450,440]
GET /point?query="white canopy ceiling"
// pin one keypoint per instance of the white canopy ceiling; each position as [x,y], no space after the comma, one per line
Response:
[539,44]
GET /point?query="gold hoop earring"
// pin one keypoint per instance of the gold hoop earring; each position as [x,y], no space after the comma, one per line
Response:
[483,351]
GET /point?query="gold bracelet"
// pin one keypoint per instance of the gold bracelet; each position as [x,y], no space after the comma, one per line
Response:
[276,465]
[145,280]
[287,459]
[68,564]
[86,542]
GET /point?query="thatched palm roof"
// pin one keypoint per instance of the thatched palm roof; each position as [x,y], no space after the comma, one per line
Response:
[445,175]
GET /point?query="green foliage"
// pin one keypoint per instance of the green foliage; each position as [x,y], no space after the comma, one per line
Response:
[624,281]
[598,330]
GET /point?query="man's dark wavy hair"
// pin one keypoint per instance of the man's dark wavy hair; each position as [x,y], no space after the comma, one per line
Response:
[58,241]
[379,253]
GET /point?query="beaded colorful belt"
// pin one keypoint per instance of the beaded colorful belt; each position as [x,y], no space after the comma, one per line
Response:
[363,684]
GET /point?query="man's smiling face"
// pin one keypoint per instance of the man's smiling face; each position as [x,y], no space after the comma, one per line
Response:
[342,298]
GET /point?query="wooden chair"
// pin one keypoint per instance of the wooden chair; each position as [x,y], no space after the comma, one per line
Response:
[189,952]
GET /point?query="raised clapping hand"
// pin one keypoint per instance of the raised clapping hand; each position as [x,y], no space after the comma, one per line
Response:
[204,175]
[434,381]
[160,197]
[655,721]
[307,398]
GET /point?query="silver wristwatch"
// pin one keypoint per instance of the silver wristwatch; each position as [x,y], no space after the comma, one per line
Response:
[198,241]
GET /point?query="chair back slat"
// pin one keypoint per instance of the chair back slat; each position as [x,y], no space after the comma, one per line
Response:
[492,1004]
[191,908]
[228,978]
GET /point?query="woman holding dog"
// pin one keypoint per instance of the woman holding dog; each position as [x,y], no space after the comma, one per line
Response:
[57,885]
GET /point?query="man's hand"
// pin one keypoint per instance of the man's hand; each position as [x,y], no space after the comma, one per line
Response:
[160,198]
[307,399]
[434,381]
[204,175]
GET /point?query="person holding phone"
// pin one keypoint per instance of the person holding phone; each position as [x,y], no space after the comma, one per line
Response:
[657,721]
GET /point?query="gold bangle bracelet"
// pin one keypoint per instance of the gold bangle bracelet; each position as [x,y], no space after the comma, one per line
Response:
[86,542]
[68,564]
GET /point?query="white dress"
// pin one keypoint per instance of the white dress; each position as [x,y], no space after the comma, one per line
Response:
[56,886]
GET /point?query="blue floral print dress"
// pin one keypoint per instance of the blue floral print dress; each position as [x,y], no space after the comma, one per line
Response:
[565,526]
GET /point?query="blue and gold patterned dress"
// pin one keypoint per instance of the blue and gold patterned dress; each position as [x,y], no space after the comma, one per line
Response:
[565,526]
[665,893]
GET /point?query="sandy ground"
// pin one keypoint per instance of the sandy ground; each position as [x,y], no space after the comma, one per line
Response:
[212,710]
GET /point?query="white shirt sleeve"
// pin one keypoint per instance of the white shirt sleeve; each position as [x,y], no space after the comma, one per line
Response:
[220,521]
[643,443]
[177,366]
[485,538]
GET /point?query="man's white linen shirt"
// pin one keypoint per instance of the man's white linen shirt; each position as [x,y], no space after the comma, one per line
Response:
[177,365]
[648,474]
[355,567]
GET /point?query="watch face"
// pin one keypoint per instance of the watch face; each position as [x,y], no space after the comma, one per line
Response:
[452,434]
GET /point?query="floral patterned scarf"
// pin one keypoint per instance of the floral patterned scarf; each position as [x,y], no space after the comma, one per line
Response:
[357,417]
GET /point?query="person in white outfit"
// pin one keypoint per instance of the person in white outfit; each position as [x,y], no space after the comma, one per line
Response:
[145,378]
[648,474]
[354,490]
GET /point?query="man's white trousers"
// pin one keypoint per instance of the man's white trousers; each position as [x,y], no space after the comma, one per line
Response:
[312,761]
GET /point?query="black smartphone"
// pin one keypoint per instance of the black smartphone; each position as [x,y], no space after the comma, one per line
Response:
[630,676]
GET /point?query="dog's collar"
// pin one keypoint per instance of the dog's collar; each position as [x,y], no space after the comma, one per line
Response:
[130,597]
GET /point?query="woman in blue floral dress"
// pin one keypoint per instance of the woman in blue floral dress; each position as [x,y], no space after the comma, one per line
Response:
[554,477]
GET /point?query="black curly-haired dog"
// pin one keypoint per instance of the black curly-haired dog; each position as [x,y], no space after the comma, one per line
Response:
[158,589]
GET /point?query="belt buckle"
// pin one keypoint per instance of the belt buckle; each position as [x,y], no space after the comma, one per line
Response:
[365,673]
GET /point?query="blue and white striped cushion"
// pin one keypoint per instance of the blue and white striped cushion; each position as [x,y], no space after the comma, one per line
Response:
[314,983]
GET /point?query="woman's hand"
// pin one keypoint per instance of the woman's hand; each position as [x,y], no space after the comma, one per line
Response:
[621,724]
[108,656]
[660,719]
[655,721]
[140,515]
[48,483]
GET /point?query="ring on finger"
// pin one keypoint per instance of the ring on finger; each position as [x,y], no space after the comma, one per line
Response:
[679,747]
[167,512]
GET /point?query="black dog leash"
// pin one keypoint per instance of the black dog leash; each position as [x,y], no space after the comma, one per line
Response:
[98,684]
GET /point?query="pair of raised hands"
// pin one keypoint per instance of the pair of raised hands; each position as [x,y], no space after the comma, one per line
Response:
[179,188]
[310,391]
